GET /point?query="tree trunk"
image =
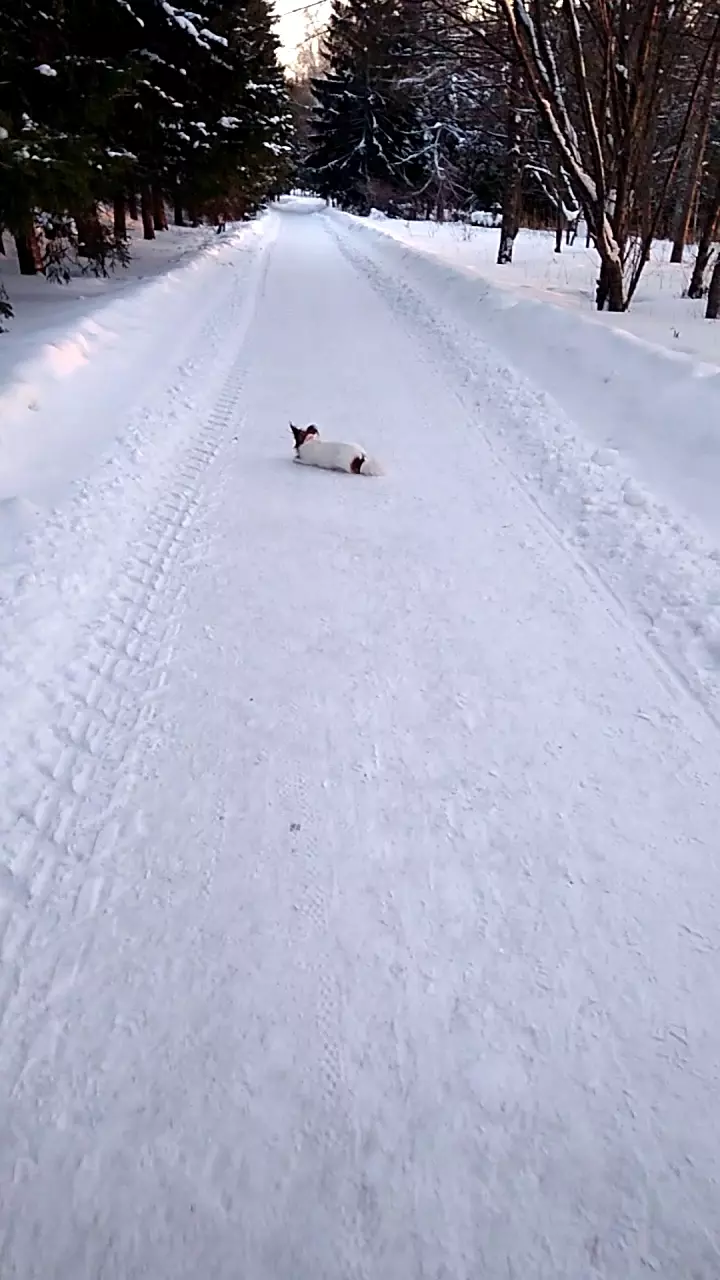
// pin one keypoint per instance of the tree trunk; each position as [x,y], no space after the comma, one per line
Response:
[146,210]
[28,253]
[683,211]
[179,213]
[696,287]
[713,302]
[685,204]
[512,183]
[692,171]
[644,215]
[90,235]
[610,290]
[616,292]
[159,214]
[120,216]
[560,219]
[132,206]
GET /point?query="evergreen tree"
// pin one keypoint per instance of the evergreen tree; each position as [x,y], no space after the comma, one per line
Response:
[54,96]
[210,123]
[410,111]
[365,138]
[456,94]
[100,99]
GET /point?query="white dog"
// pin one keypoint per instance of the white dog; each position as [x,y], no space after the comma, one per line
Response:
[331,456]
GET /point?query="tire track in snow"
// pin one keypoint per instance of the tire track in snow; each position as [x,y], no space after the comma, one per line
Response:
[314,906]
[331,1127]
[695,680]
[69,784]
[43,594]
[92,742]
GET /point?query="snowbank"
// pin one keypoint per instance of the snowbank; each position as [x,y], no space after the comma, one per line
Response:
[659,313]
[618,439]
[42,309]
[646,383]
[68,344]
[94,420]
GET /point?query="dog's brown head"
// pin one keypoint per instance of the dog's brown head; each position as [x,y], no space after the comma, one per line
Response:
[301,434]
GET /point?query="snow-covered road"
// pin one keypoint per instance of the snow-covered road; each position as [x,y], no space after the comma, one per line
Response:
[360,910]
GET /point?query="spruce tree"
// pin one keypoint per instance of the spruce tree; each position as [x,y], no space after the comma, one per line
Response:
[365,138]
[240,115]
[103,99]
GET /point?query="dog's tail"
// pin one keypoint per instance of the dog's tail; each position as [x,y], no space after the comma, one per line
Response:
[370,467]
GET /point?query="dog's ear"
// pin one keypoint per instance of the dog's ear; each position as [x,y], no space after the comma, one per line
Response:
[312,430]
[298,435]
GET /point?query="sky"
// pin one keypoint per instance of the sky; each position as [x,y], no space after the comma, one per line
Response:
[292,27]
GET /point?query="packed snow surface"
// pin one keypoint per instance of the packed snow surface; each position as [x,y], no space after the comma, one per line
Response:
[359,887]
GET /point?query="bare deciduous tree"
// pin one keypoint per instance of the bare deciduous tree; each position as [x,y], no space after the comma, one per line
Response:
[711,226]
[600,76]
[713,302]
[512,186]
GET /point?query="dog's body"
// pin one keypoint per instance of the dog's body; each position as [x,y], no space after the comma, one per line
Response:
[311,451]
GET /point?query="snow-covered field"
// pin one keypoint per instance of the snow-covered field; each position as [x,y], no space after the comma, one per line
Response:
[359,896]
